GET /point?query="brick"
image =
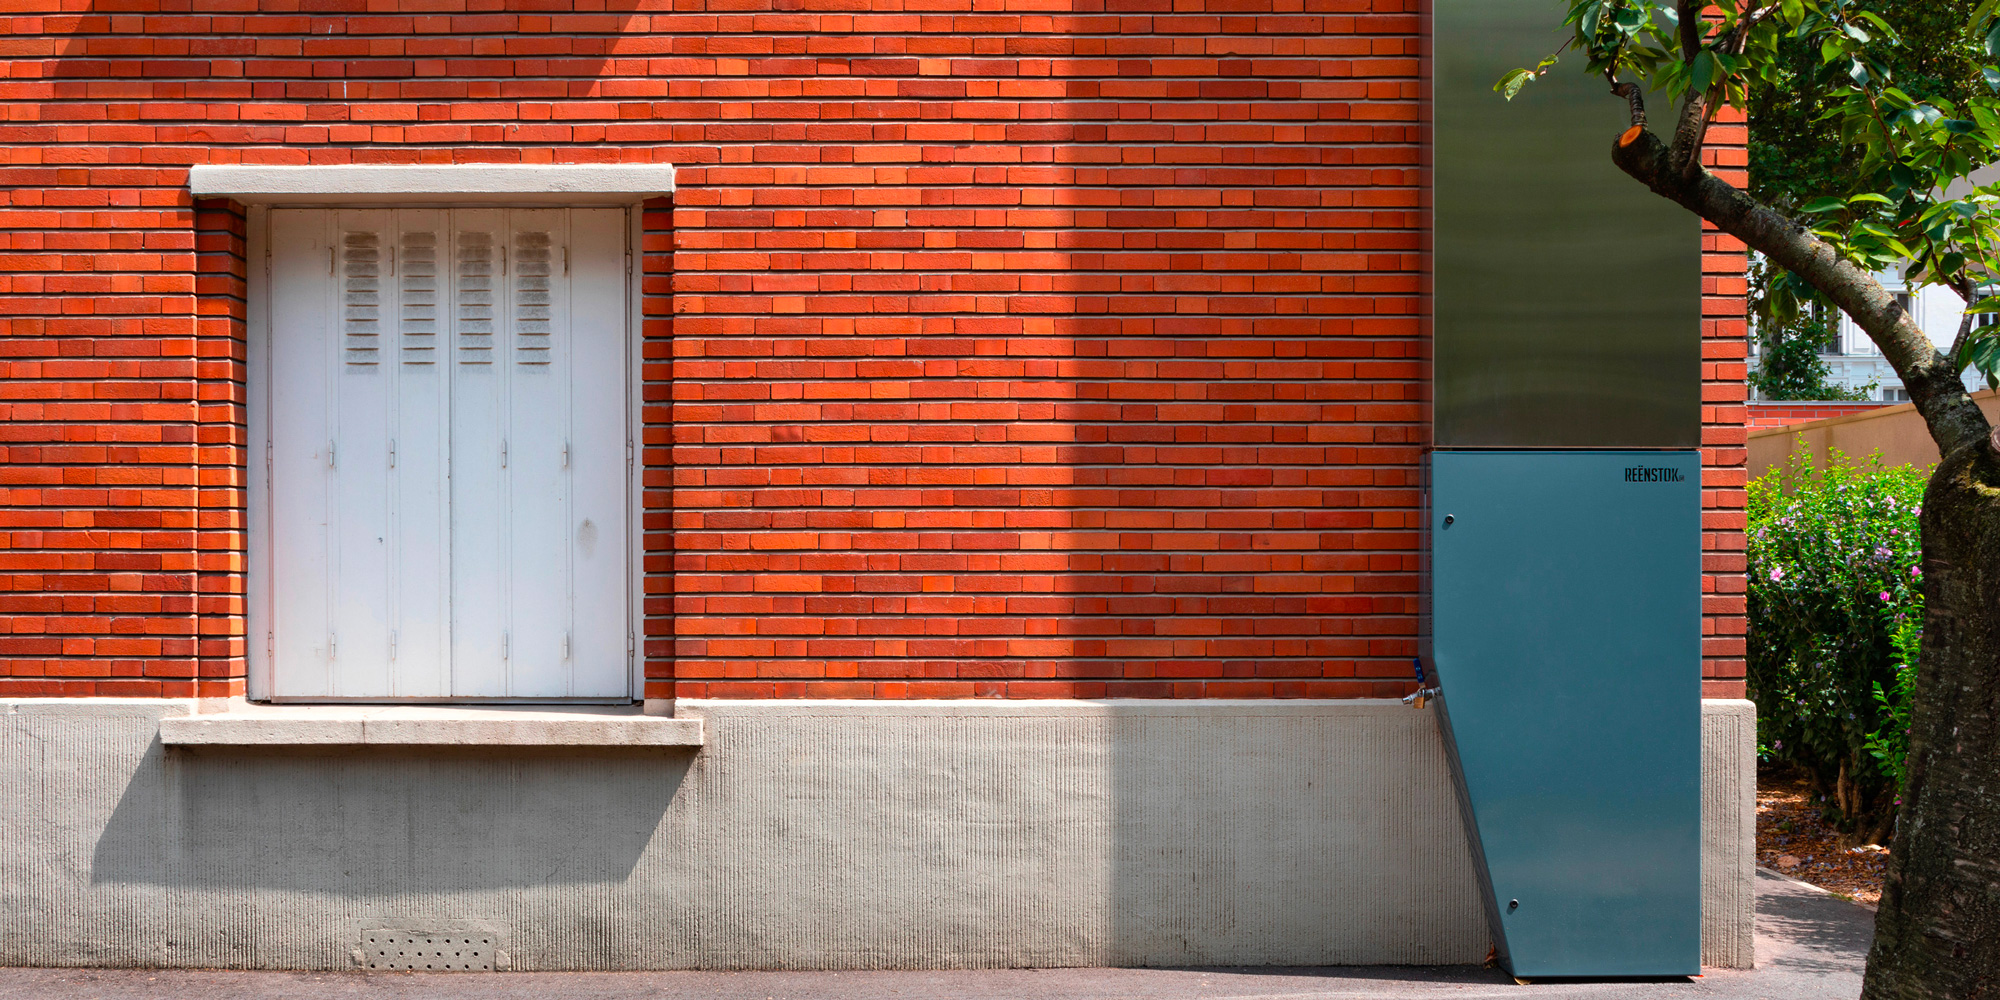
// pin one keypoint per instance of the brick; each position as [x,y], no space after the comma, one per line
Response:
[988,353]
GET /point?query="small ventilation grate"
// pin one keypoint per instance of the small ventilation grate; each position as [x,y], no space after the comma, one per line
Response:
[423,951]
[361,297]
[419,287]
[478,275]
[534,274]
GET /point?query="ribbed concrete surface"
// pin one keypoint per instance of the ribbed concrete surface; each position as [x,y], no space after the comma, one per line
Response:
[1729,833]
[804,835]
[1813,945]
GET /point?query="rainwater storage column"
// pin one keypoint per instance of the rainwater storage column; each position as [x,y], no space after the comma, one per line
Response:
[1564,508]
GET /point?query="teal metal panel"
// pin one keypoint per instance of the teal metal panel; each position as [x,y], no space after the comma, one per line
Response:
[1566,602]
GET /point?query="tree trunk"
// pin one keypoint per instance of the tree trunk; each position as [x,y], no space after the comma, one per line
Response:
[1937,934]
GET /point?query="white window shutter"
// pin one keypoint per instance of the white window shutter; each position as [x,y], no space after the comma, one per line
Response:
[538,426]
[302,313]
[596,354]
[419,457]
[449,471]
[481,650]
[358,516]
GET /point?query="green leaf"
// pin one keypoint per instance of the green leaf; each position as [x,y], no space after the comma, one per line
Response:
[1870,196]
[1989,304]
[1992,74]
[1882,26]
[1824,204]
[1702,74]
[1512,83]
[1984,354]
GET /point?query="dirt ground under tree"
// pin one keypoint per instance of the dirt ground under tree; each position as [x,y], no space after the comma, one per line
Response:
[1792,838]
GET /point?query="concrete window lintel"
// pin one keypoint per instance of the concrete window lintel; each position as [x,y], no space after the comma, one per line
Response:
[528,183]
[244,724]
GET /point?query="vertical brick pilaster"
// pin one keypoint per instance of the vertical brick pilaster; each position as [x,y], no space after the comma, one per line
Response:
[221,439]
[1725,425]
[655,274]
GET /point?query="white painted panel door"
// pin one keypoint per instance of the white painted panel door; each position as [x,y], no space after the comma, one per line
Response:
[302,315]
[480,646]
[537,428]
[598,459]
[419,459]
[449,454]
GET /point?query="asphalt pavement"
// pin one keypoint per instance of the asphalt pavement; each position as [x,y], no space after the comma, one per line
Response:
[1810,946]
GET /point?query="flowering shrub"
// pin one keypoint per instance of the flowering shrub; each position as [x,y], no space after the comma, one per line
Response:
[1834,575]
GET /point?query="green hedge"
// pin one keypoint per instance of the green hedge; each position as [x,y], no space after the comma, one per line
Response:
[1835,605]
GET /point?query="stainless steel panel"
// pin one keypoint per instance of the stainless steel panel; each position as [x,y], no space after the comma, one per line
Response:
[1567,296]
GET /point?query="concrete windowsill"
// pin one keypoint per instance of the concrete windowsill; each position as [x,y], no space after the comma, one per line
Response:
[532,183]
[255,725]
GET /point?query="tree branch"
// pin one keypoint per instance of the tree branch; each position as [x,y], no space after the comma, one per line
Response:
[1754,14]
[1689,134]
[1965,326]
[1634,95]
[1690,21]
[1955,422]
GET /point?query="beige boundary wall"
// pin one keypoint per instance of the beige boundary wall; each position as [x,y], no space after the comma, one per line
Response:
[1897,433]
[803,835]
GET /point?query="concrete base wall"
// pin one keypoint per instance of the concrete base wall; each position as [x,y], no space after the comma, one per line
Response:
[804,835]
[1728,832]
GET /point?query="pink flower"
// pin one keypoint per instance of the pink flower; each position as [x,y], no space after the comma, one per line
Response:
[1884,595]
[1777,573]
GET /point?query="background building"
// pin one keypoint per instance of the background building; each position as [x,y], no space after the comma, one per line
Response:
[1856,363]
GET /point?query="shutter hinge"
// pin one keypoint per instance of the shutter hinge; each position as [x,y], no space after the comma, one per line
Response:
[631,645]
[332,645]
[506,644]
[565,645]
[565,454]
[503,453]
[267,459]
[628,263]
[330,462]
[391,251]
[332,259]
[392,644]
[392,453]
[271,644]
[630,454]
[565,255]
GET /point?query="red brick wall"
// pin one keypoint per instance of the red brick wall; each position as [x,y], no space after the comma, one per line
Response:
[1725,441]
[1002,352]
[1785,414]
